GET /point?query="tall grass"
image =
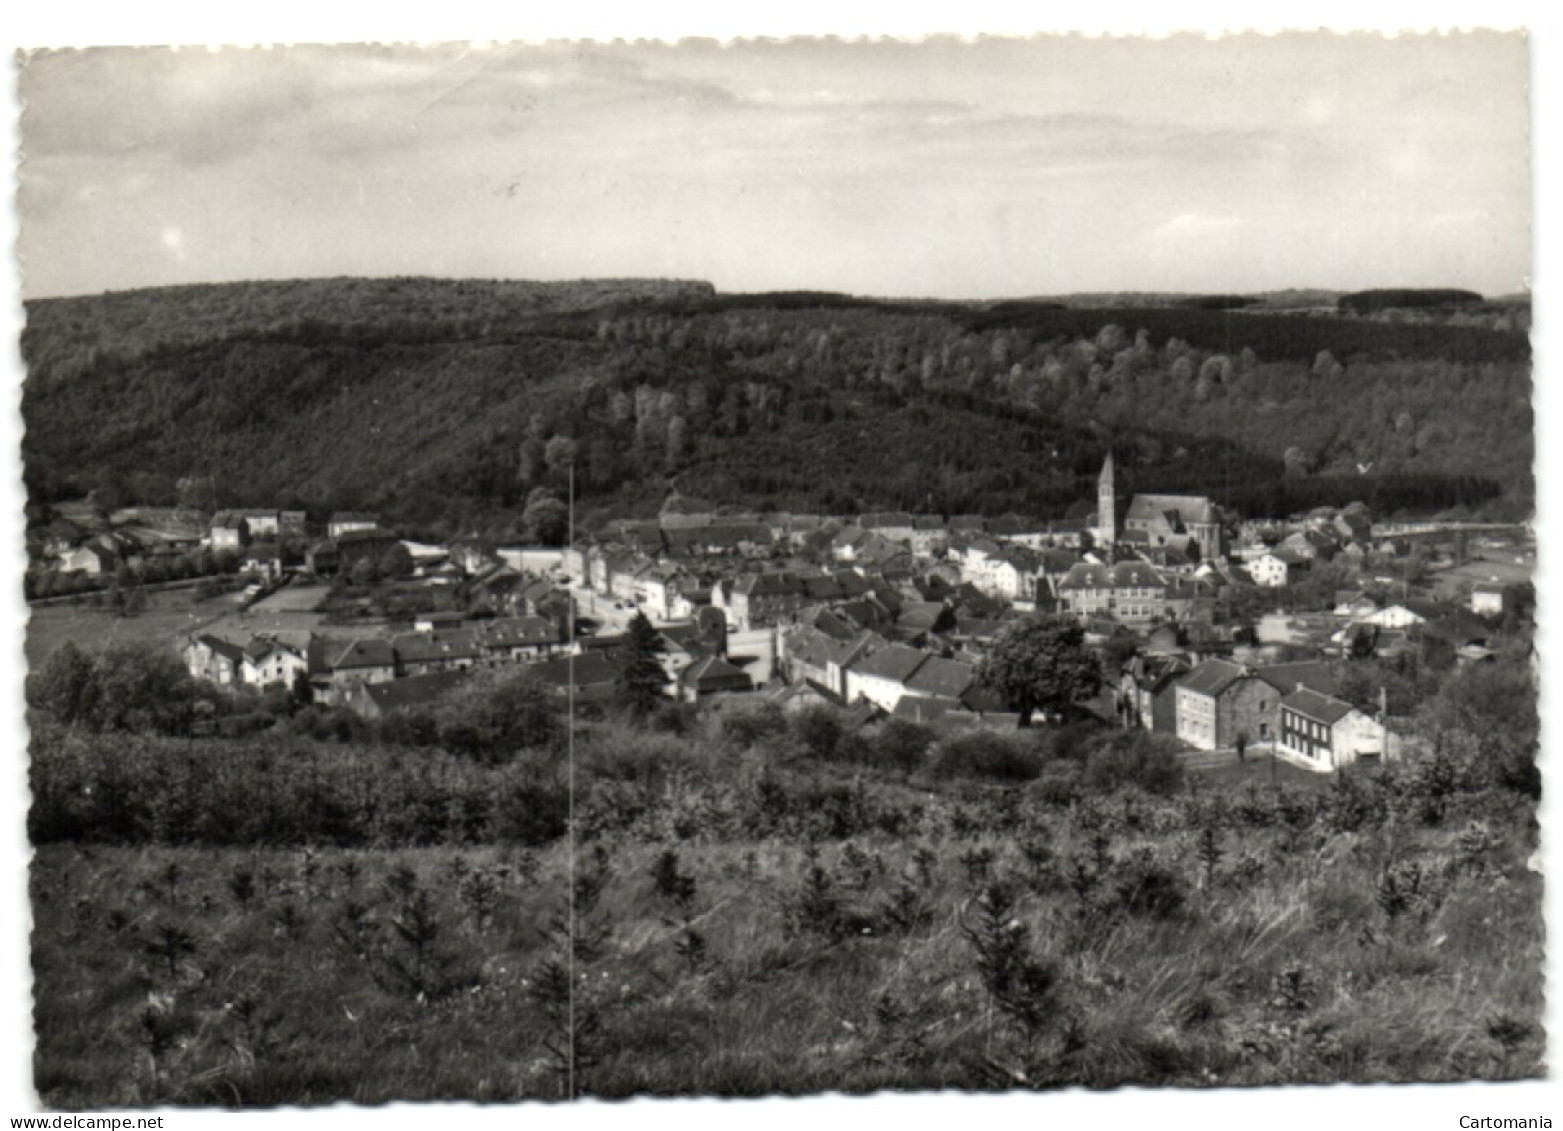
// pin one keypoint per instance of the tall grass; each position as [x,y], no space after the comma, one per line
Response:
[278,921]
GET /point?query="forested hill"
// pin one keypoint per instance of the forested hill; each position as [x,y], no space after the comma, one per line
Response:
[445,403]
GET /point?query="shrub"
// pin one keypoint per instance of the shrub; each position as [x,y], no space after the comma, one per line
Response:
[1059,784]
[751,724]
[984,754]
[1135,758]
[900,745]
[819,731]
[494,715]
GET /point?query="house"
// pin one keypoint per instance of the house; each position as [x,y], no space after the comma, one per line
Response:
[214,660]
[918,618]
[682,645]
[589,677]
[264,523]
[657,590]
[1307,546]
[1147,692]
[1315,675]
[1402,615]
[361,545]
[1354,604]
[946,714]
[881,676]
[1270,571]
[1132,592]
[1023,530]
[797,697]
[377,700]
[60,535]
[92,558]
[520,638]
[290,524]
[1488,599]
[364,661]
[1008,573]
[474,554]
[937,677]
[822,650]
[1221,702]
[419,653]
[896,526]
[1324,734]
[230,531]
[929,536]
[269,662]
[344,522]
[263,559]
[757,599]
[711,676]
[322,558]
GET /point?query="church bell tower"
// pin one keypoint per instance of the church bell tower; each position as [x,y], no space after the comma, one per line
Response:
[1106,509]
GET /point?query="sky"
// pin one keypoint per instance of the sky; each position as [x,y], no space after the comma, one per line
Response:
[994,168]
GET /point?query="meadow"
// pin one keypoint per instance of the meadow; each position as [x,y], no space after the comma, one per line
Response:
[765,905]
[168,618]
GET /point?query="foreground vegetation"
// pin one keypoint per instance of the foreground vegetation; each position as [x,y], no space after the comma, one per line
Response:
[769,904]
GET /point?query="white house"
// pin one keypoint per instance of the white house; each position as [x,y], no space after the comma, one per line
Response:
[1324,734]
[1487,599]
[342,522]
[268,662]
[881,677]
[1395,616]
[1269,571]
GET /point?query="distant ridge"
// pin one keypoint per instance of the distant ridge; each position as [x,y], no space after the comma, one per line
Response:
[444,404]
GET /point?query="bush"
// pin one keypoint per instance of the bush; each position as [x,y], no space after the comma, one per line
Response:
[900,745]
[133,789]
[984,754]
[750,724]
[819,731]
[494,715]
[1135,758]
[1059,784]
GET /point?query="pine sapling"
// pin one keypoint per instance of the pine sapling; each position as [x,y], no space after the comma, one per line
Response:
[170,944]
[1210,852]
[480,892]
[1022,986]
[978,862]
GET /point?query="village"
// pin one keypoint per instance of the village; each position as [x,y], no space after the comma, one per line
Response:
[1231,636]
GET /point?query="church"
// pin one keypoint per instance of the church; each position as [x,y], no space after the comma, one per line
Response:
[1179,521]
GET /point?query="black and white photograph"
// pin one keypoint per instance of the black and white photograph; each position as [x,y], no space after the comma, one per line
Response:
[566,569]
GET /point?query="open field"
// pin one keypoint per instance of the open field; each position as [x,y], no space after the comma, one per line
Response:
[296,597]
[168,618]
[853,965]
[277,920]
[173,615]
[1512,569]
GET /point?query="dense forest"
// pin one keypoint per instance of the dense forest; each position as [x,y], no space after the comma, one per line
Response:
[445,403]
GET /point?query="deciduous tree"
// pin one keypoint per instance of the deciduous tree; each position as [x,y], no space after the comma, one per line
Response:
[1042,663]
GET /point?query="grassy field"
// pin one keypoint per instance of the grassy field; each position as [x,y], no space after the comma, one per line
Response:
[167,619]
[295,598]
[1217,936]
[172,616]
[1504,570]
